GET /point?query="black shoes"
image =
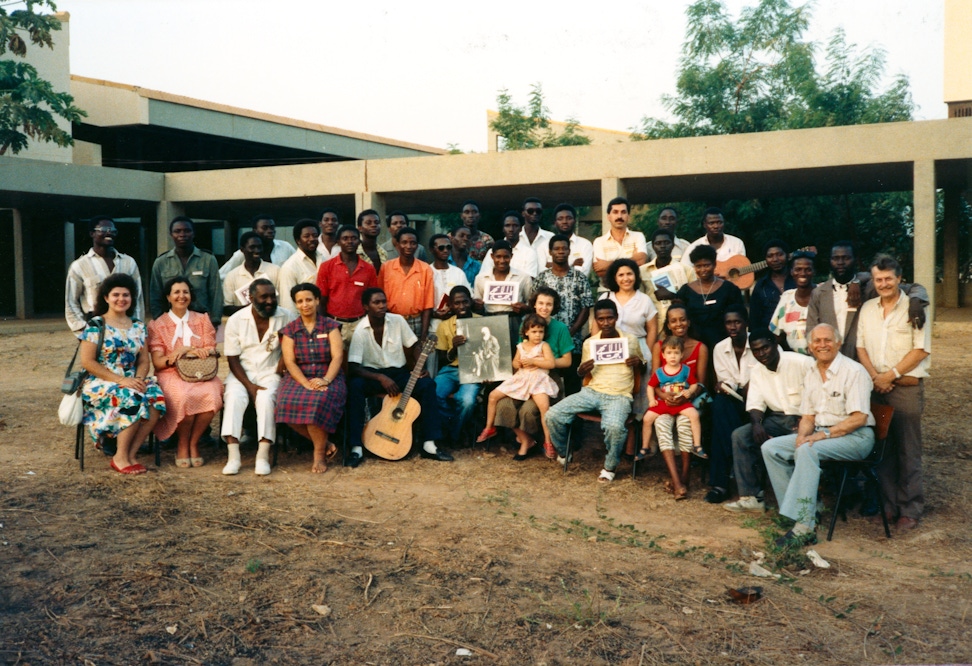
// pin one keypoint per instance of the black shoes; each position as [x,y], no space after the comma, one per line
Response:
[716,496]
[790,540]
[439,455]
[353,460]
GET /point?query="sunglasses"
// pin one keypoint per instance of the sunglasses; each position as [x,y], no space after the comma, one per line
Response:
[533,211]
[443,247]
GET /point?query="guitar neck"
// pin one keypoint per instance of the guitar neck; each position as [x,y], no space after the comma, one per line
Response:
[416,372]
[760,265]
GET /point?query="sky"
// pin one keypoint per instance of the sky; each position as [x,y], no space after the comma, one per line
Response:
[427,72]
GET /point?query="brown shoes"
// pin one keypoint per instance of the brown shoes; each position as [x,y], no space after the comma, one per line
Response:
[906,523]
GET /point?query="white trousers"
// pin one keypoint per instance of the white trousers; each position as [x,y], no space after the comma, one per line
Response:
[235,401]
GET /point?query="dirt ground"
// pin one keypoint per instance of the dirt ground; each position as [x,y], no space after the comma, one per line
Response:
[415,561]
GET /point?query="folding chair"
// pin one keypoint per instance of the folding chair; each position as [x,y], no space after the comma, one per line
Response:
[79,446]
[631,423]
[882,418]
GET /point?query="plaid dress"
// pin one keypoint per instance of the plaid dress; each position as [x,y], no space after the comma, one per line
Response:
[295,404]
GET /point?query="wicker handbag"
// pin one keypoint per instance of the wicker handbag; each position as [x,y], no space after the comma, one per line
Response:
[194,369]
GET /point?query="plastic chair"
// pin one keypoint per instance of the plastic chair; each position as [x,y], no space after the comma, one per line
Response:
[882,418]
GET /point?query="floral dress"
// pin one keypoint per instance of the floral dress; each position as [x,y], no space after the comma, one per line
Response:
[109,408]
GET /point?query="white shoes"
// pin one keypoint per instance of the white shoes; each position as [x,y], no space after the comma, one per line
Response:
[262,467]
[233,463]
[747,504]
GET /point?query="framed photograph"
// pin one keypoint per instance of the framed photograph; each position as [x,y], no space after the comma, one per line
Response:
[610,350]
[486,356]
[501,293]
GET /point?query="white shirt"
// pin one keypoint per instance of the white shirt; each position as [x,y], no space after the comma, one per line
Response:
[85,276]
[580,248]
[444,280]
[298,268]
[673,277]
[524,260]
[846,390]
[887,340]
[397,335]
[727,368]
[540,246]
[525,291]
[258,356]
[840,307]
[731,246]
[240,278]
[635,314]
[780,391]
[278,255]
[679,249]
[608,249]
[322,252]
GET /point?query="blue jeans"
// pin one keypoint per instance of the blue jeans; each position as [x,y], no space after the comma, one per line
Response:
[795,472]
[614,410]
[454,415]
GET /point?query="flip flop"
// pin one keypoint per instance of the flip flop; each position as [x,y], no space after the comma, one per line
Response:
[124,470]
[331,453]
[679,496]
[699,452]
[487,433]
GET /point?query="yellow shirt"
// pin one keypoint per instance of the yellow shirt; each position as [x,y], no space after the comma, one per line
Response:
[613,378]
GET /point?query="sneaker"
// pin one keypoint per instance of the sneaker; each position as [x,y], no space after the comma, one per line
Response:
[606,476]
[746,504]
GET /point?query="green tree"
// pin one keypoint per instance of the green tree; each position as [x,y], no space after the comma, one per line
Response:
[28,103]
[521,128]
[757,73]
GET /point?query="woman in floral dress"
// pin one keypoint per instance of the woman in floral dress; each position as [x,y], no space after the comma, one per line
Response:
[120,399]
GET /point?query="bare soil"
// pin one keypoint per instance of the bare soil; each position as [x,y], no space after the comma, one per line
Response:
[409,562]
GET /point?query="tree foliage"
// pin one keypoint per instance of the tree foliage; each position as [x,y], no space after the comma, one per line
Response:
[757,73]
[28,103]
[521,128]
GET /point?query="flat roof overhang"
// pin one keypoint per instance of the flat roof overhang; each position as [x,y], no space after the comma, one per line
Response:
[835,160]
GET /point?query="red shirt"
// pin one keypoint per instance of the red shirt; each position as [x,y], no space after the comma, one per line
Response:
[341,291]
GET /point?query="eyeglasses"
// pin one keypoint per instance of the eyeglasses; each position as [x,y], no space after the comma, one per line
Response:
[106,230]
[533,211]
[443,247]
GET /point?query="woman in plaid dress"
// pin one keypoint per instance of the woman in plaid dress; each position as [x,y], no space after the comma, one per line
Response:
[312,394]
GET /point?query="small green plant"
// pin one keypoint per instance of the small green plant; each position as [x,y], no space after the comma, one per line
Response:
[253,565]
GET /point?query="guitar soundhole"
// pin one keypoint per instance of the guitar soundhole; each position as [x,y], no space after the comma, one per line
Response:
[397,414]
[733,273]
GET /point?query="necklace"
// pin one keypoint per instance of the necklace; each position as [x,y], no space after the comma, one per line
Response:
[705,294]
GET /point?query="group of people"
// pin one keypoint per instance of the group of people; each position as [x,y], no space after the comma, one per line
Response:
[786,382]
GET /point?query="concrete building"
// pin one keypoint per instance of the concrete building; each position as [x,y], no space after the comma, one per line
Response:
[133,129]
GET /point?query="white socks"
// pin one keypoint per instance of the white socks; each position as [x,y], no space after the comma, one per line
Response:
[233,462]
[429,447]
[262,467]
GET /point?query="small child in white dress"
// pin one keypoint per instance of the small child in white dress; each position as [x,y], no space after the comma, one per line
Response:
[532,362]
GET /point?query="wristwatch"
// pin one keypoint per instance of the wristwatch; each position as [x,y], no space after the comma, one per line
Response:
[826,432]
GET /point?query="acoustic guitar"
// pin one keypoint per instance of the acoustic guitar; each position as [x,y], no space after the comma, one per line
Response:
[389,433]
[741,273]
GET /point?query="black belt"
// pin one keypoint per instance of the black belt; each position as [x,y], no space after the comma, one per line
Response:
[349,321]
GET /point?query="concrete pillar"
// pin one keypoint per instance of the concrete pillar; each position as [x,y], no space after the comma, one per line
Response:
[950,248]
[924,253]
[23,268]
[610,188]
[166,211]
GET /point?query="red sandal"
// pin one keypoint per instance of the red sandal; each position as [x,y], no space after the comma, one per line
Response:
[487,433]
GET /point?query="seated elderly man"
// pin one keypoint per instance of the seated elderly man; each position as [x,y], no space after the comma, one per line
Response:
[252,348]
[834,425]
[773,405]
[608,392]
